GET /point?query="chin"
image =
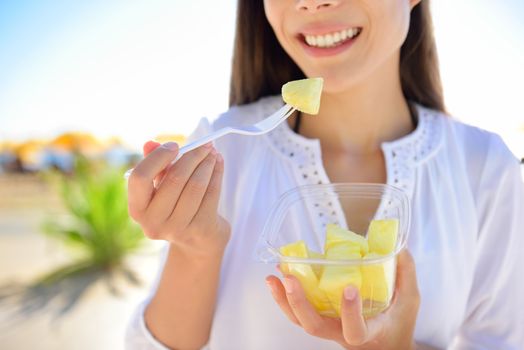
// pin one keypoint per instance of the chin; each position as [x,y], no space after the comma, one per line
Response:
[338,81]
[338,84]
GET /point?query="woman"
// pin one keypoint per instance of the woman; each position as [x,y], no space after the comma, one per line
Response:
[381,120]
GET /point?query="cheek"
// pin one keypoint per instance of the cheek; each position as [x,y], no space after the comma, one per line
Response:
[392,23]
[404,19]
[277,14]
[273,10]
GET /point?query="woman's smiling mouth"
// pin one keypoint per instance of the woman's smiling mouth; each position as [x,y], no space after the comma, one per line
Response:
[328,41]
[331,39]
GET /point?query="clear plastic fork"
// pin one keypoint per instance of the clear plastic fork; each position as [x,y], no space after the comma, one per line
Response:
[262,127]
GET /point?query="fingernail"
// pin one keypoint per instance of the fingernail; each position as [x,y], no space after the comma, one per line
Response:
[220,159]
[213,152]
[350,293]
[288,285]
[208,145]
[170,146]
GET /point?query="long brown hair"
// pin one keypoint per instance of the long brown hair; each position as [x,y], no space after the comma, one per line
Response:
[261,66]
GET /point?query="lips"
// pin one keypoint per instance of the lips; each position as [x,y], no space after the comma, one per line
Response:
[331,39]
[319,42]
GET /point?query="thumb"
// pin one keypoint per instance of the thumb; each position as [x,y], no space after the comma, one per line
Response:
[407,293]
[149,147]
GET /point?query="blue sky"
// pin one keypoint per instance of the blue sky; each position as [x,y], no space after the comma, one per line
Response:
[137,69]
[132,69]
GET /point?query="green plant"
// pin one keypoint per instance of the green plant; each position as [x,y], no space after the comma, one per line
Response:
[98,225]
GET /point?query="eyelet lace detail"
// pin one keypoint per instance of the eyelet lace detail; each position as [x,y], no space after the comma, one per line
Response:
[402,157]
[305,158]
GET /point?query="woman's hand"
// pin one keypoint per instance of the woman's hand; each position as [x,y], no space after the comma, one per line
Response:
[178,202]
[392,329]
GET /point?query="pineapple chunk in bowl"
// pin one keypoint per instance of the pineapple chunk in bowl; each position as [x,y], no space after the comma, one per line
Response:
[335,235]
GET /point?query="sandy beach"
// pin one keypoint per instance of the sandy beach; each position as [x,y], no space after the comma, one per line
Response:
[97,319]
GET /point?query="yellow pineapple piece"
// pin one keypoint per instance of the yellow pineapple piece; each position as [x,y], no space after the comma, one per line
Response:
[336,277]
[303,94]
[305,274]
[315,255]
[296,249]
[317,268]
[382,236]
[336,235]
[377,280]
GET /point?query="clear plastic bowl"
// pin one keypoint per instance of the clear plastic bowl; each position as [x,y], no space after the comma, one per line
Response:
[303,213]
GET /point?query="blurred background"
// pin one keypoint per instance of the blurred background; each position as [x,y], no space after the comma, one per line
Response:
[83,84]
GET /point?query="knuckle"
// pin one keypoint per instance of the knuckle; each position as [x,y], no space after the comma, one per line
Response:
[208,162]
[211,156]
[151,234]
[196,186]
[135,213]
[213,188]
[174,178]
[203,151]
[137,177]
[152,231]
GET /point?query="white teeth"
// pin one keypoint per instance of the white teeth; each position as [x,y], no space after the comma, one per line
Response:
[351,32]
[331,39]
[309,40]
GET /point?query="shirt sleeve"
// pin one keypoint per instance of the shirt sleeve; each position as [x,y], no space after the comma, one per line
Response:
[138,336]
[495,309]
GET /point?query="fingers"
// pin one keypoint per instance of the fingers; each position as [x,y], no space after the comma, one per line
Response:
[355,328]
[404,306]
[279,294]
[194,191]
[406,301]
[406,290]
[307,316]
[140,183]
[149,147]
[209,205]
[176,177]
[353,324]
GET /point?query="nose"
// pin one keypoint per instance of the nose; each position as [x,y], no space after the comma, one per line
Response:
[315,5]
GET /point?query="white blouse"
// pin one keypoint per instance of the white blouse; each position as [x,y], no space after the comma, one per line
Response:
[467,237]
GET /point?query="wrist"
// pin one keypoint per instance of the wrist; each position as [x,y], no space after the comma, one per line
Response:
[197,256]
[205,243]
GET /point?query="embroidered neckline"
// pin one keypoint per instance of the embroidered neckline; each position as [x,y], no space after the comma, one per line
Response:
[402,155]
[412,149]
